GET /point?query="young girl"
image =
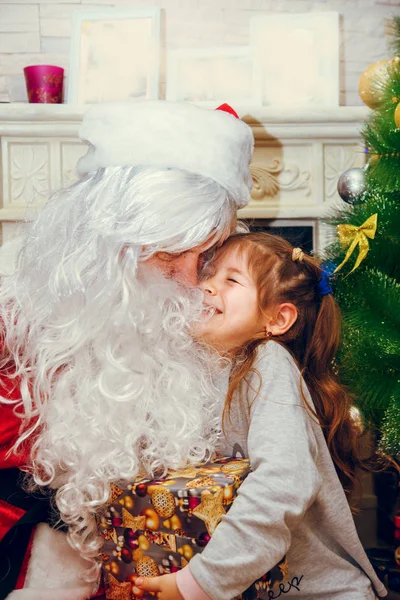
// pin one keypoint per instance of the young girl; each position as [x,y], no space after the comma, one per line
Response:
[275,316]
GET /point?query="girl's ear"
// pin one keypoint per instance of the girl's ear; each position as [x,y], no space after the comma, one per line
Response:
[285,317]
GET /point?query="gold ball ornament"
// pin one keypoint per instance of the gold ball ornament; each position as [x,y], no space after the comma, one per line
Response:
[128,501]
[187,551]
[372,83]
[397,556]
[395,62]
[152,519]
[397,116]
[137,554]
[164,502]
[228,494]
[175,522]
[147,567]
[114,567]
[143,542]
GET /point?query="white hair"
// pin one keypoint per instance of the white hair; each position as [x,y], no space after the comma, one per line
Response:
[111,381]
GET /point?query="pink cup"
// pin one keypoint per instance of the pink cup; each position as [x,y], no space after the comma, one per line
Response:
[44,84]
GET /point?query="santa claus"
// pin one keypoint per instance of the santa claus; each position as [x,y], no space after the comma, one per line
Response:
[100,377]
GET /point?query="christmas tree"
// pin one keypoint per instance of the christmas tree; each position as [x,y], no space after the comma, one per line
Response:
[366,281]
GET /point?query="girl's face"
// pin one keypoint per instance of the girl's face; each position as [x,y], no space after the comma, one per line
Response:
[233,293]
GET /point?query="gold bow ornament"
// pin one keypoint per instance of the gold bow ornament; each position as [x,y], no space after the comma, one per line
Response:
[352,236]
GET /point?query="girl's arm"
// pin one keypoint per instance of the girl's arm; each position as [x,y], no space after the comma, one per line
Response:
[256,533]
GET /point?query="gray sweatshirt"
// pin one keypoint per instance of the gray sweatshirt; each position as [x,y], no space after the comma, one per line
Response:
[291,503]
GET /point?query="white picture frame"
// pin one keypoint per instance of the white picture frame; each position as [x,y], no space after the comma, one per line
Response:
[208,76]
[115,55]
[296,59]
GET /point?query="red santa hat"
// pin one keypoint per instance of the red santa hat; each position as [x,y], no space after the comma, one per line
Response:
[161,134]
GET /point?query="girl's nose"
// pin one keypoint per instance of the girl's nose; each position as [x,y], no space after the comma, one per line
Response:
[208,287]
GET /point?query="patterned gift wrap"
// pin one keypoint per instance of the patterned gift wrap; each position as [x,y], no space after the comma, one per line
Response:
[155,527]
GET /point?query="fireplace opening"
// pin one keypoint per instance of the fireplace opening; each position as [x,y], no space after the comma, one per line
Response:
[298,233]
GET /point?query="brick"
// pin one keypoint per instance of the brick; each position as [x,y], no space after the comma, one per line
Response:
[366,48]
[231,38]
[58,11]
[351,79]
[367,23]
[120,3]
[296,6]
[268,5]
[20,42]
[13,64]
[353,99]
[4,94]
[239,18]
[56,20]
[55,45]
[207,5]
[55,27]
[171,6]
[27,3]
[17,88]
[389,3]
[14,19]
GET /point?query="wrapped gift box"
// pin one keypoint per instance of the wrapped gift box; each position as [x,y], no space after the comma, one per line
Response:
[155,527]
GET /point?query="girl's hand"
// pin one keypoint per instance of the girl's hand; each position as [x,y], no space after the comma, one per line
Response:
[164,586]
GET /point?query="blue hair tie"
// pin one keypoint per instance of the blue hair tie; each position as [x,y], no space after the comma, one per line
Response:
[324,286]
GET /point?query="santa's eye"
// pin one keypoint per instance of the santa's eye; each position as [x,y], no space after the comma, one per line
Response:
[169,256]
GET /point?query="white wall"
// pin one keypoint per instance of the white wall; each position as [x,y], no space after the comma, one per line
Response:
[39,32]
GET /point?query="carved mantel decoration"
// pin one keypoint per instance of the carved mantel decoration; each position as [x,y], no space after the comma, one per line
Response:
[269,179]
[297,160]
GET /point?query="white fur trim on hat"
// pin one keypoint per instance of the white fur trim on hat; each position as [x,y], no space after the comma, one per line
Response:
[158,133]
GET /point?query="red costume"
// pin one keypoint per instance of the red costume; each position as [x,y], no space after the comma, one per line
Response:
[14,503]
[19,511]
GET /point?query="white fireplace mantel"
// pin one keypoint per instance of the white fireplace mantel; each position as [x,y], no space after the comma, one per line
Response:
[298,158]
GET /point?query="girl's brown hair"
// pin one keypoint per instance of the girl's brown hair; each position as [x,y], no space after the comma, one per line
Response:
[313,340]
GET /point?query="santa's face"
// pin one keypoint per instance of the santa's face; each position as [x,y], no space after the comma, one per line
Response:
[184,267]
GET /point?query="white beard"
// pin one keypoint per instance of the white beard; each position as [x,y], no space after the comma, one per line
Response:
[135,394]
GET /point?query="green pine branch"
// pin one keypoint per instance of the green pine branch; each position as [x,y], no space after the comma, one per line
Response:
[369,357]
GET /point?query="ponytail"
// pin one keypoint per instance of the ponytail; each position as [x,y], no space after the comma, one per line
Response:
[331,400]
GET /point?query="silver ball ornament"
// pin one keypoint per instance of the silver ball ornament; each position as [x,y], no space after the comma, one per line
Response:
[351,184]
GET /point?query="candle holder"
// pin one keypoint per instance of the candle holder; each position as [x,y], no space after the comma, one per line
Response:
[44,84]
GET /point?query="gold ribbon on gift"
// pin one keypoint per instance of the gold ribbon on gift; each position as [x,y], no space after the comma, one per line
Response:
[350,235]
